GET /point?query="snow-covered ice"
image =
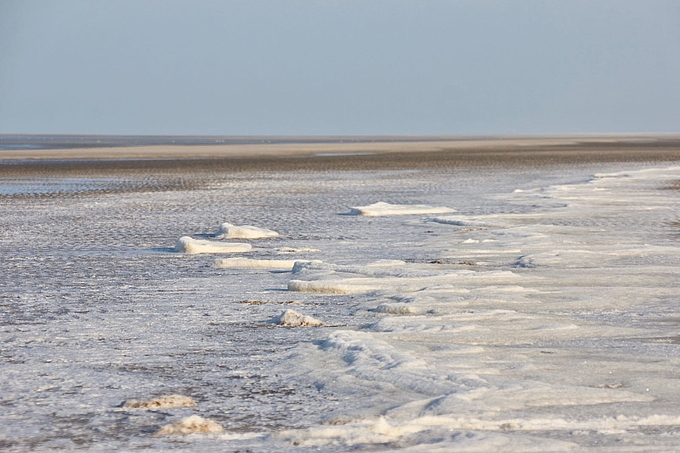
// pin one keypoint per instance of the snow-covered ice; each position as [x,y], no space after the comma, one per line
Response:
[542,316]
[194,424]
[384,209]
[229,231]
[291,318]
[186,244]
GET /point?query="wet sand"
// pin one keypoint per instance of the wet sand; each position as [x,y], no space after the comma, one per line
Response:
[186,167]
[492,152]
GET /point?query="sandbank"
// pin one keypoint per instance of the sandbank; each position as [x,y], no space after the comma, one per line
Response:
[335,154]
[337,147]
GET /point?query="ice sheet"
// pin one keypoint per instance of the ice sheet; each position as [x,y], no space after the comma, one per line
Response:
[542,316]
[575,245]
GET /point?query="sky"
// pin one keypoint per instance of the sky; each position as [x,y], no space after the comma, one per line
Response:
[367,67]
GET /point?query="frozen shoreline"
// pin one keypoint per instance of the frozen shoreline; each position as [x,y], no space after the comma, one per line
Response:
[540,315]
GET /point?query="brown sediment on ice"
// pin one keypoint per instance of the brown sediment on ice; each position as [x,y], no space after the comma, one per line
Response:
[673,186]
[291,318]
[162,402]
[191,425]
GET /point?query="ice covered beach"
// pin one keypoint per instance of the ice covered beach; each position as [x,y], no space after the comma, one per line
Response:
[486,298]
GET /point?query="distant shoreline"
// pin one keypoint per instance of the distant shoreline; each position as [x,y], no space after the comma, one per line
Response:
[44,147]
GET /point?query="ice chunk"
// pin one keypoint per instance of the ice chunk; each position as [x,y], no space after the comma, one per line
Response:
[247,263]
[191,425]
[162,402]
[385,209]
[291,318]
[229,231]
[187,244]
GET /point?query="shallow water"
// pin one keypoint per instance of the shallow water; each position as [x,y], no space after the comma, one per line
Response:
[549,322]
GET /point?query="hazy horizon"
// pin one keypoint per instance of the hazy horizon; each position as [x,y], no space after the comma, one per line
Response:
[297,68]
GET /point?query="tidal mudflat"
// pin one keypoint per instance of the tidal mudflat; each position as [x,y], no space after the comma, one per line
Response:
[489,298]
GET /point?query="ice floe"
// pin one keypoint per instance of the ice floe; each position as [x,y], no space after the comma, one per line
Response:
[386,209]
[194,424]
[186,244]
[229,231]
[291,318]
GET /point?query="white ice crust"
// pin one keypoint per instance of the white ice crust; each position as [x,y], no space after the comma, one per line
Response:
[473,340]
[193,424]
[291,318]
[549,324]
[385,209]
[229,231]
[186,244]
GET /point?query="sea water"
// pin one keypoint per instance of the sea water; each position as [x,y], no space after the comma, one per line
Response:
[480,309]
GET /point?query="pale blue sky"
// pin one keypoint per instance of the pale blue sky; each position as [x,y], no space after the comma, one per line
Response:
[339,67]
